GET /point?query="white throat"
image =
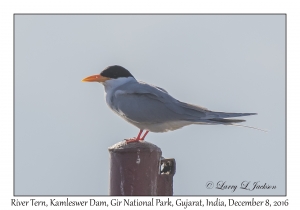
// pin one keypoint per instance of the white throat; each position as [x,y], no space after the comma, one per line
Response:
[111,84]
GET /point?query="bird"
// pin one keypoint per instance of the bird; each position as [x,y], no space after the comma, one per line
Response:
[151,108]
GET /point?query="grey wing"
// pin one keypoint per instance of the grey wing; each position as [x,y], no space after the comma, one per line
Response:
[216,116]
[162,89]
[145,103]
[141,102]
[143,107]
[148,88]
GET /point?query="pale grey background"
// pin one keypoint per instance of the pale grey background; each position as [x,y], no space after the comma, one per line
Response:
[231,63]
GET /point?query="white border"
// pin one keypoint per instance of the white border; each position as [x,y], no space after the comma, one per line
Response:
[8,8]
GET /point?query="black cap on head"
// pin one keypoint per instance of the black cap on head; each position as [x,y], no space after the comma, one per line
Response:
[115,72]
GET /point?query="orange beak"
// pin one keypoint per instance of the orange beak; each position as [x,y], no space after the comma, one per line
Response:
[95,78]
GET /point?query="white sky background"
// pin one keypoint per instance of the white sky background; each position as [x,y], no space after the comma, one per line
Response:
[224,63]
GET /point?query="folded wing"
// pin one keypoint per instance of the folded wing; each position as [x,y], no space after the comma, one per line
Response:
[144,103]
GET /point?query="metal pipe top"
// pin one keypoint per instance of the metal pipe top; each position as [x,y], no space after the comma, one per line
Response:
[133,147]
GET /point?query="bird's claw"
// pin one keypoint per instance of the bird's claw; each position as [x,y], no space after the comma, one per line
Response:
[134,139]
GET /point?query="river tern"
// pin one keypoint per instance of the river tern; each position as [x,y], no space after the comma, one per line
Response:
[151,108]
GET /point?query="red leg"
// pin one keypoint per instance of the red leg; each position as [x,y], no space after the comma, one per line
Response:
[135,139]
[145,135]
[139,135]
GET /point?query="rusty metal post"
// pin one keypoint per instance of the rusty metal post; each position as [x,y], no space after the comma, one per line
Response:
[139,169]
[165,179]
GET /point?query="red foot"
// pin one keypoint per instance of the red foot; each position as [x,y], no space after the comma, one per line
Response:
[138,138]
[134,139]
